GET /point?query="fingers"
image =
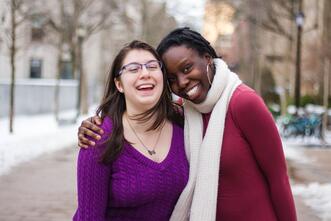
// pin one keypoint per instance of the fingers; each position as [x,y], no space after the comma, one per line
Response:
[83,141]
[96,120]
[84,132]
[89,124]
[88,130]
[81,145]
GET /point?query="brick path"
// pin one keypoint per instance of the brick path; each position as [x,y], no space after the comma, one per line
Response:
[40,190]
[44,189]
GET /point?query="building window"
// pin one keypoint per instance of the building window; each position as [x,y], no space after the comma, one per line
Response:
[37,25]
[35,68]
[66,70]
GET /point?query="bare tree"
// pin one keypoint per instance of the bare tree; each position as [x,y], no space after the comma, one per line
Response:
[155,21]
[149,23]
[14,24]
[278,18]
[78,20]
[19,13]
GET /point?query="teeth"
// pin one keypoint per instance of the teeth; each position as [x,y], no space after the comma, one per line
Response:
[145,86]
[192,91]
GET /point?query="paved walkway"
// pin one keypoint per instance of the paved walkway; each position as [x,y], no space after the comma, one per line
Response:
[44,189]
[40,190]
[316,169]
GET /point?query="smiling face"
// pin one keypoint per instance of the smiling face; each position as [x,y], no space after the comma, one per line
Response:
[187,72]
[142,89]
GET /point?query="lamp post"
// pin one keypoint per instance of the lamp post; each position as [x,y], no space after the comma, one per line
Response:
[299,20]
[81,32]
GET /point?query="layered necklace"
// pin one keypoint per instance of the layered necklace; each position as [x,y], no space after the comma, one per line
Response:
[150,151]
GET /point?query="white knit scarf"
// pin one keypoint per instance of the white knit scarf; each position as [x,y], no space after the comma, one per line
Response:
[198,200]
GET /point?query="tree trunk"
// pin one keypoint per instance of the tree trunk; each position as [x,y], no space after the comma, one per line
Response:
[325,97]
[78,75]
[57,86]
[326,57]
[59,65]
[283,102]
[12,64]
[84,84]
[144,20]
[254,47]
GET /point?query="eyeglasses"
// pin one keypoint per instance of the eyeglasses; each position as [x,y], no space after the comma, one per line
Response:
[136,68]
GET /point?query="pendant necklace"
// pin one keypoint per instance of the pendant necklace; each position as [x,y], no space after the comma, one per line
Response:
[150,151]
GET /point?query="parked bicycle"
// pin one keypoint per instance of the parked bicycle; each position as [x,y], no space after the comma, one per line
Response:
[305,125]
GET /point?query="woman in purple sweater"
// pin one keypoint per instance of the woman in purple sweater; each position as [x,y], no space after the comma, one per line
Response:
[138,169]
[237,165]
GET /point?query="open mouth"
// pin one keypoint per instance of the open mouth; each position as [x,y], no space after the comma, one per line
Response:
[193,91]
[145,87]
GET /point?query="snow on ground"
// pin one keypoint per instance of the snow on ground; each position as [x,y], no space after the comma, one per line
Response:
[33,136]
[295,153]
[317,196]
[305,141]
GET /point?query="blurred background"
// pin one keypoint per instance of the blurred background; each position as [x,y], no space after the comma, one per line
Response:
[54,58]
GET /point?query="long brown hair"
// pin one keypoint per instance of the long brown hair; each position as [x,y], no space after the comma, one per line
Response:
[113,104]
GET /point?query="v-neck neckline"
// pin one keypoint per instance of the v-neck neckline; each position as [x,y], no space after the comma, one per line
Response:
[149,162]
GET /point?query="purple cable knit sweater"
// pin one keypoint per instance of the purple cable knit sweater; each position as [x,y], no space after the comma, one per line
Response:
[132,187]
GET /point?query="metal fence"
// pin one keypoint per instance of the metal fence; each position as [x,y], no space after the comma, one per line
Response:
[36,96]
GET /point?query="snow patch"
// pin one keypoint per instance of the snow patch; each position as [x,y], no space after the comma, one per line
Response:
[317,196]
[295,153]
[32,137]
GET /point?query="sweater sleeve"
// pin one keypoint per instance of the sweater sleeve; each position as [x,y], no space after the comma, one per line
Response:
[257,125]
[93,180]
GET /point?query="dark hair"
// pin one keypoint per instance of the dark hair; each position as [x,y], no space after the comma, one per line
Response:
[113,104]
[189,38]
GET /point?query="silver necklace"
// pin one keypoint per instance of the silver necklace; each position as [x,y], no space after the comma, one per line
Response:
[149,151]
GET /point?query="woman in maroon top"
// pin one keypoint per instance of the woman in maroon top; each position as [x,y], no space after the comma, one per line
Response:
[237,165]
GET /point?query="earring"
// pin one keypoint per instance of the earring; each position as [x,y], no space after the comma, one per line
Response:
[208,74]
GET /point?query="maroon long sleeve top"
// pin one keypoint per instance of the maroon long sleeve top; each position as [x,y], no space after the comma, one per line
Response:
[253,181]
